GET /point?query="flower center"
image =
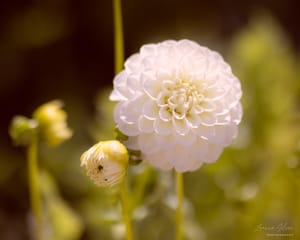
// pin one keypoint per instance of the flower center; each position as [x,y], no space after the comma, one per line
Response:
[181,96]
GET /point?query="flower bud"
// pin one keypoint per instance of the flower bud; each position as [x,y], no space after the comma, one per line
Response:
[106,163]
[22,130]
[52,122]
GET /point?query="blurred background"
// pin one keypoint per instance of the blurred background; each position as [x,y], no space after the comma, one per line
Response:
[63,49]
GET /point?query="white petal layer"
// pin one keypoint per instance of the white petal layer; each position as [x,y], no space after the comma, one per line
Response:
[179,103]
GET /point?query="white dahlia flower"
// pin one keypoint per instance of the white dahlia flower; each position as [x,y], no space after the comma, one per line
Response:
[178,103]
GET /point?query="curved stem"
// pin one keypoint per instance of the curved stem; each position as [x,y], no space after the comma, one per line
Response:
[34,189]
[125,209]
[179,193]
[118,36]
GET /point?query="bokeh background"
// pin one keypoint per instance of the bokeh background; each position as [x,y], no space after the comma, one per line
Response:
[63,49]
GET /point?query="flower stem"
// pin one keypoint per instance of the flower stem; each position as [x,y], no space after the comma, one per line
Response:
[179,193]
[118,36]
[125,209]
[34,190]
[119,61]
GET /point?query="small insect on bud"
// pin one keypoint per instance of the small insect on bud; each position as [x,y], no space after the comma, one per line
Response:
[52,122]
[106,163]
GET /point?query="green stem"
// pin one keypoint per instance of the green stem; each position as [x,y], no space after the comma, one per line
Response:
[119,61]
[141,186]
[118,36]
[179,193]
[125,209]
[34,190]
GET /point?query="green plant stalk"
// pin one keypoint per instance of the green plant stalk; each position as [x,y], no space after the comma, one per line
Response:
[118,36]
[179,193]
[140,188]
[119,61]
[34,189]
[126,209]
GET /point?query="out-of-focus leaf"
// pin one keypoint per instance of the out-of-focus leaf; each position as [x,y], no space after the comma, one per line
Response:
[262,58]
[62,222]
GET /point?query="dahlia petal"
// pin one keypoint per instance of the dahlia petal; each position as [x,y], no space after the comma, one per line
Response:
[205,132]
[116,96]
[192,161]
[236,113]
[232,132]
[223,119]
[167,84]
[172,102]
[121,91]
[208,106]
[148,62]
[133,82]
[162,98]
[199,149]
[120,79]
[214,152]
[116,112]
[219,137]
[208,118]
[148,49]
[150,85]
[178,156]
[145,125]
[187,139]
[130,111]
[148,143]
[129,117]
[198,109]
[162,127]
[231,100]
[221,108]
[165,114]
[180,126]
[165,48]
[163,74]
[183,161]
[133,64]
[168,43]
[125,92]
[187,46]
[132,143]
[190,164]
[128,129]
[150,110]
[167,142]
[159,160]
[214,93]
[224,135]
[195,165]
[193,120]
[178,113]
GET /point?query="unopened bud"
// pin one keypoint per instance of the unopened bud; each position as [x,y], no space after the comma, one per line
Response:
[52,122]
[22,130]
[106,163]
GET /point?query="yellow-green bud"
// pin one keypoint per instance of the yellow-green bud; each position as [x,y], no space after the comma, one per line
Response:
[106,163]
[22,130]
[52,122]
